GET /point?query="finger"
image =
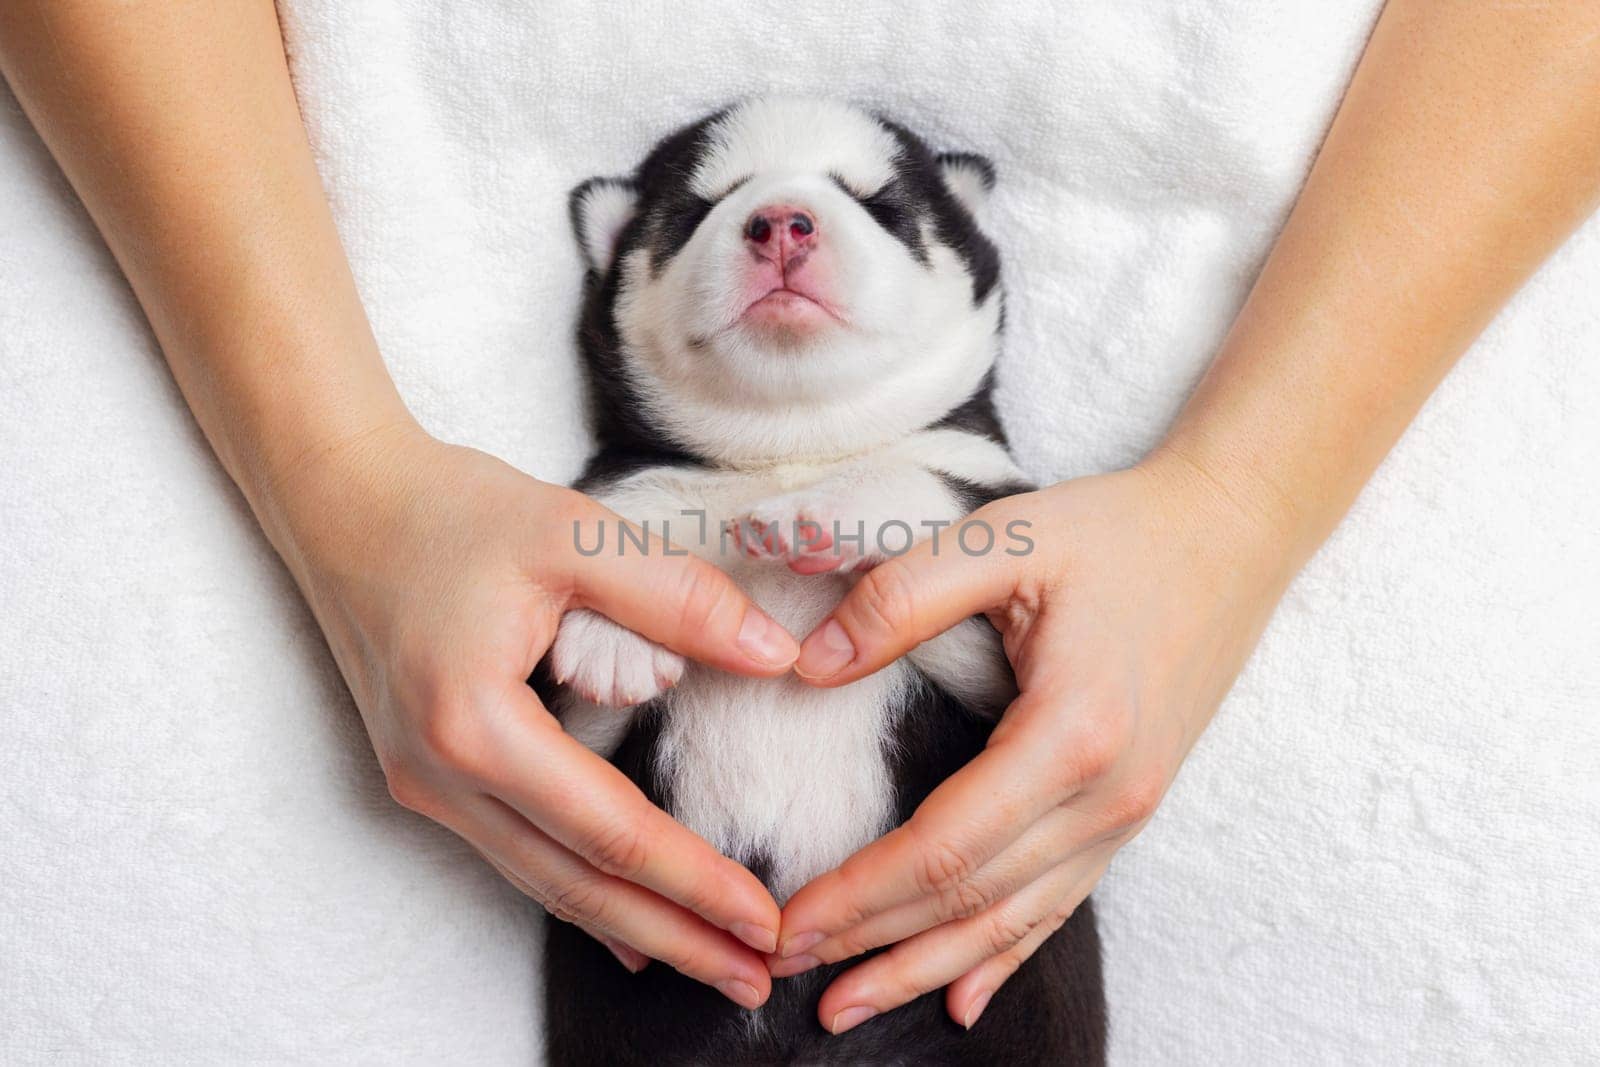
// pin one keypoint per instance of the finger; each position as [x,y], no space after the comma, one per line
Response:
[967,996]
[685,603]
[592,808]
[898,605]
[933,959]
[631,958]
[611,908]
[1048,843]
[962,825]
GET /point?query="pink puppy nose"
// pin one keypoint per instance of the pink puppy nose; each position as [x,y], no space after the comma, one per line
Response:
[780,232]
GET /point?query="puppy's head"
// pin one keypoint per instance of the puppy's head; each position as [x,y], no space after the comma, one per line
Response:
[788,279]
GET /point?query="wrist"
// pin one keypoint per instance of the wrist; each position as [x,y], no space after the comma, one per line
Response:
[320,501]
[1234,517]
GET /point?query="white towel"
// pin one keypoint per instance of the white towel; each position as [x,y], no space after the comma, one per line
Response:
[1386,847]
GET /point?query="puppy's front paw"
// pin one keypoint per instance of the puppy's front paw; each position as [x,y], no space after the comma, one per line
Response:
[610,664]
[811,535]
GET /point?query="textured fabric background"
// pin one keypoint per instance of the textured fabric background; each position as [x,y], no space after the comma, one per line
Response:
[1386,848]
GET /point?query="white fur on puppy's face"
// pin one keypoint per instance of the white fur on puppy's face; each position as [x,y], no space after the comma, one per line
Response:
[875,342]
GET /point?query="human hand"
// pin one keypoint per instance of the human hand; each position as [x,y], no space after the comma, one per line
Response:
[1126,625]
[439,575]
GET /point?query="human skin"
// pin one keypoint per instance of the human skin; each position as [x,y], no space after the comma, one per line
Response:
[1467,148]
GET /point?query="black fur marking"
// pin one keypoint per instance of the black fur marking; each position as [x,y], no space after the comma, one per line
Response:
[893,208]
[729,191]
[1051,1012]
[674,227]
[627,436]
[919,170]
[673,210]
[976,414]
[974,495]
[607,468]
[664,219]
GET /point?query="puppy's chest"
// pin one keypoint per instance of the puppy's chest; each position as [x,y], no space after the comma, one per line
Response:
[774,772]
[777,773]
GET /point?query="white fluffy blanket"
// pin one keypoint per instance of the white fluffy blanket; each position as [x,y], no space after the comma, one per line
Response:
[1386,848]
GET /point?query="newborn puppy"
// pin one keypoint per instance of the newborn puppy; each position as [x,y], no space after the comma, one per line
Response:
[790,323]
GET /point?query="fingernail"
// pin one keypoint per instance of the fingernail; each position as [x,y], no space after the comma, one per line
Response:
[975,1009]
[764,640]
[790,966]
[851,1017]
[631,958]
[800,942]
[825,653]
[740,992]
[756,936]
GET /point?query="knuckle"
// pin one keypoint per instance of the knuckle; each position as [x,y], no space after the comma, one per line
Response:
[968,898]
[450,736]
[883,600]
[407,789]
[1093,749]
[1005,931]
[941,868]
[1089,760]
[517,881]
[1047,928]
[1136,801]
[581,900]
[1058,917]
[617,848]
[849,945]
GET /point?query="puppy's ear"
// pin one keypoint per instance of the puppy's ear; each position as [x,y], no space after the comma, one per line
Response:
[969,176]
[601,209]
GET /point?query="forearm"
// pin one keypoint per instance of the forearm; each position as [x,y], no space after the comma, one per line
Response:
[177,126]
[1466,150]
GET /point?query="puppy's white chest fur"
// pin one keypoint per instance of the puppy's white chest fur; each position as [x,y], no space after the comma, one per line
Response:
[777,770]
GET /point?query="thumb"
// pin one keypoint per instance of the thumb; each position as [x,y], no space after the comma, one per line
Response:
[900,604]
[685,603]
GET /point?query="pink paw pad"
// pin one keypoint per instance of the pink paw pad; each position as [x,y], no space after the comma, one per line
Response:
[805,543]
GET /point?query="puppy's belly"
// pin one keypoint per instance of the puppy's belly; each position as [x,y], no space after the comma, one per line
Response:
[775,771]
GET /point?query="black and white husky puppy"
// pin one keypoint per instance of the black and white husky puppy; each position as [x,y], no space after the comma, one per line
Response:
[790,323]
